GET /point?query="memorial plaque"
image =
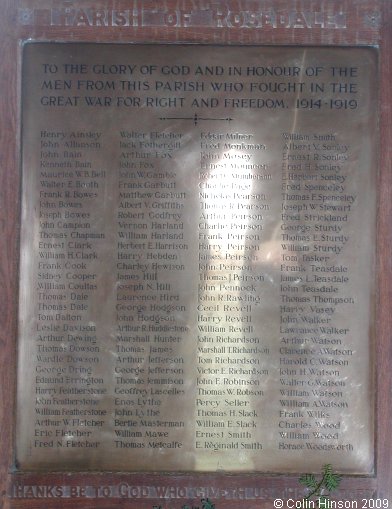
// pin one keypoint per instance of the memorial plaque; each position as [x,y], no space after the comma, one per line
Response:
[197,258]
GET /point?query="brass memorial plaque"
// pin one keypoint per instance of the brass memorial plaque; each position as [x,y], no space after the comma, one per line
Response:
[197,258]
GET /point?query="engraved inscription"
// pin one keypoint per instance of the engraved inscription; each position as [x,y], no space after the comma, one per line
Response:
[214,17]
[196,293]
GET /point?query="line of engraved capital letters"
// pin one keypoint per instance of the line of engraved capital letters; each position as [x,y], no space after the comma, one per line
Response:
[219,17]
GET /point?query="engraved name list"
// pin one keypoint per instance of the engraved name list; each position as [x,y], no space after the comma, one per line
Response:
[197,258]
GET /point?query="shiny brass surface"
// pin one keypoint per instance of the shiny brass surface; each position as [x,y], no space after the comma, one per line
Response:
[197,281]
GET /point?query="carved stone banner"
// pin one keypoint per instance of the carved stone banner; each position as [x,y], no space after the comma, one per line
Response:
[197,258]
